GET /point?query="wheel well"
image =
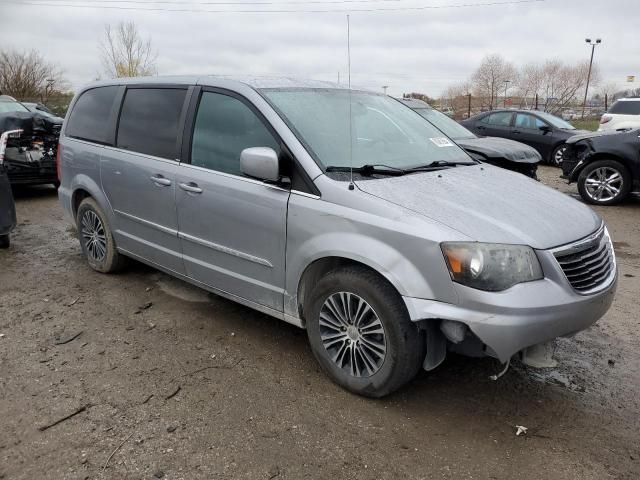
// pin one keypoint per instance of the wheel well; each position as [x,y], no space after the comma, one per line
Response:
[602,156]
[77,197]
[317,269]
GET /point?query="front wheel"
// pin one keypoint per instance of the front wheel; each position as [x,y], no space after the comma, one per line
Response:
[558,155]
[604,182]
[5,241]
[361,334]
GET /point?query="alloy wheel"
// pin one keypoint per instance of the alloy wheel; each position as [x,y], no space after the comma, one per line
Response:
[603,184]
[558,156]
[94,236]
[352,334]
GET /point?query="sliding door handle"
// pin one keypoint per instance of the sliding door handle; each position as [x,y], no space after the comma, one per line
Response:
[160,180]
[190,187]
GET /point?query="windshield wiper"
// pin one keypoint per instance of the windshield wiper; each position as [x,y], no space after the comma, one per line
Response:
[437,164]
[368,170]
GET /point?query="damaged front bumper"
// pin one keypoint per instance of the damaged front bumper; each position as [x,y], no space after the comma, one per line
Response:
[527,314]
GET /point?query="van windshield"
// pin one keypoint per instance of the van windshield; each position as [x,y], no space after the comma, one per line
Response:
[383,130]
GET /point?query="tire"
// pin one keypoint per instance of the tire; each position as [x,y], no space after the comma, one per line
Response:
[557,155]
[403,342]
[96,239]
[616,186]
[5,241]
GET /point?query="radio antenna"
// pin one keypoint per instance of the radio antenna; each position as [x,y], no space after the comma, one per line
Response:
[351,186]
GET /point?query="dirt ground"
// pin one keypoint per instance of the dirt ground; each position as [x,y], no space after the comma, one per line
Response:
[175,383]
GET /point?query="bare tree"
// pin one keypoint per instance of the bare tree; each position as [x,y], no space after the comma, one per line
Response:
[608,90]
[563,84]
[29,75]
[489,78]
[125,53]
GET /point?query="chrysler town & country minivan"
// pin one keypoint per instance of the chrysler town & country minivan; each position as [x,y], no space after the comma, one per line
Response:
[340,211]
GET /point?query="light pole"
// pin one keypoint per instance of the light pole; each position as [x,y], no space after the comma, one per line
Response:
[506,84]
[586,89]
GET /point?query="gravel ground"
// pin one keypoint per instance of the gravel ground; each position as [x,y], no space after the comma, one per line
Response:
[172,382]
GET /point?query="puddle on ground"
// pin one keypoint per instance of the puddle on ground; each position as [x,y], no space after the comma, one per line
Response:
[182,290]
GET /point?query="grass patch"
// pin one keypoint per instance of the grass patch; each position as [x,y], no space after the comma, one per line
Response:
[591,124]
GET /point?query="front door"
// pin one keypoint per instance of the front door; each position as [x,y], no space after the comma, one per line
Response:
[232,228]
[527,129]
[139,175]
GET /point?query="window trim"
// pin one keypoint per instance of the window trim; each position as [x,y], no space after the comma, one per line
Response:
[189,130]
[181,117]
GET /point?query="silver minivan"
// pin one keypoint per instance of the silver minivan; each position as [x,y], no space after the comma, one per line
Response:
[340,211]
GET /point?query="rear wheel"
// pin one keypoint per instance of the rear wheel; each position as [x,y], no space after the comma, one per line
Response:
[5,241]
[604,182]
[96,238]
[361,334]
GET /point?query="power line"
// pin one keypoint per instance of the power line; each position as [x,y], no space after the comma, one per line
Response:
[240,3]
[52,3]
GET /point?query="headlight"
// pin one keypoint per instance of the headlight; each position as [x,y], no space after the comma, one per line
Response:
[491,266]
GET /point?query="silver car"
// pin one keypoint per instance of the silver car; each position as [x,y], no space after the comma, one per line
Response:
[340,211]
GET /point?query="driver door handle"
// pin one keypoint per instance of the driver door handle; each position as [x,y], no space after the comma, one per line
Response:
[516,131]
[190,187]
[160,180]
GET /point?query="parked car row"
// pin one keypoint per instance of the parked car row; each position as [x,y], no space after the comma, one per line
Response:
[540,130]
[339,211]
[497,151]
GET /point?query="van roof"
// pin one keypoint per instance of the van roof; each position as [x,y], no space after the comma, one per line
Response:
[256,82]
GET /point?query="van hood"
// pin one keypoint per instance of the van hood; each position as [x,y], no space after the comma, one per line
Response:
[490,204]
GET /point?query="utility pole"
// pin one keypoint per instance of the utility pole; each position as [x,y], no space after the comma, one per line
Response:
[506,85]
[469,106]
[586,89]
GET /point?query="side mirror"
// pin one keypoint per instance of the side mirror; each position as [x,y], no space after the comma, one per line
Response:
[261,163]
[545,128]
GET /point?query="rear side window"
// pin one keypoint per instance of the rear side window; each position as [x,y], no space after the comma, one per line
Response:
[224,127]
[89,119]
[626,107]
[149,121]
[500,119]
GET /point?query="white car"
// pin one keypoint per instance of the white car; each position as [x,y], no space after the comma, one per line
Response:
[623,114]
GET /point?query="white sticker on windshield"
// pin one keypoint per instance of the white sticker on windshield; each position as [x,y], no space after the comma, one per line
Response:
[442,142]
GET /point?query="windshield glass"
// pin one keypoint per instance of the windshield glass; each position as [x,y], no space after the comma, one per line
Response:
[384,131]
[555,121]
[7,107]
[448,126]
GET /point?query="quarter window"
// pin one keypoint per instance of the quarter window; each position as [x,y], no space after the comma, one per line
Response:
[91,113]
[224,127]
[149,121]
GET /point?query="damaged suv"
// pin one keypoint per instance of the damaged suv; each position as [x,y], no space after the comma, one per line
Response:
[340,211]
[30,156]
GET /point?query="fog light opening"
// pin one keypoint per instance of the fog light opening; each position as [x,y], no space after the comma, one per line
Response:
[453,331]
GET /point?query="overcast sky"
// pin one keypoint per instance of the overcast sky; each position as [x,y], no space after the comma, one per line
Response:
[414,50]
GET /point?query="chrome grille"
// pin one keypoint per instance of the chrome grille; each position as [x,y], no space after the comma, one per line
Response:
[588,264]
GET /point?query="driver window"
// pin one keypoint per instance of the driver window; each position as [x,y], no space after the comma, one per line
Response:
[224,127]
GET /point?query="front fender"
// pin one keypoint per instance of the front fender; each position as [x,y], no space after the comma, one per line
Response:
[413,264]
